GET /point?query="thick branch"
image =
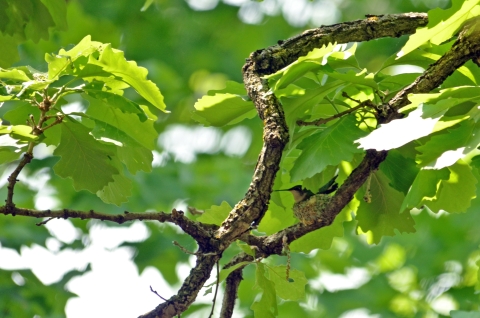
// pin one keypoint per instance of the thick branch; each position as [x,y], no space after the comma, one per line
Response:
[189,290]
[275,133]
[231,290]
[274,58]
[464,49]
[200,232]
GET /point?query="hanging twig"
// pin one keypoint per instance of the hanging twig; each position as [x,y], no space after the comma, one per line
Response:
[155,292]
[216,291]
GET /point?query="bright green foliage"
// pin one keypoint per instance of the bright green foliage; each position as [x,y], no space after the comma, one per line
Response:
[113,133]
[430,167]
[220,109]
[327,147]
[443,24]
[216,214]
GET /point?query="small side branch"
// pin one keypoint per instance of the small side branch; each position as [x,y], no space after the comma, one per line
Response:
[12,180]
[155,292]
[83,215]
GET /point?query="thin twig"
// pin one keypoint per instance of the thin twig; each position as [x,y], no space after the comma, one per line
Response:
[12,180]
[191,253]
[183,248]
[321,121]
[44,222]
[216,291]
[155,292]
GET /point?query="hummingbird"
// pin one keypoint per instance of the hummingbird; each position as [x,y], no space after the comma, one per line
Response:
[309,206]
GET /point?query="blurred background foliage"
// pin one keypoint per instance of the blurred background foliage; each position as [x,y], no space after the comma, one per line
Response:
[189,48]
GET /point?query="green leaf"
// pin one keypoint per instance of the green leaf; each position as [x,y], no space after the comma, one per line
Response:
[310,62]
[19,132]
[443,100]
[84,48]
[296,106]
[9,50]
[123,127]
[267,306]
[114,62]
[225,272]
[277,218]
[8,154]
[424,187]
[285,289]
[352,77]
[382,216]
[246,248]
[84,159]
[216,214]
[58,11]
[328,147]
[442,24]
[14,74]
[136,158]
[223,109]
[114,100]
[401,171]
[117,191]
[455,194]
[434,152]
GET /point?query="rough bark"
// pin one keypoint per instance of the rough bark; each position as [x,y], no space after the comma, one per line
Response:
[250,210]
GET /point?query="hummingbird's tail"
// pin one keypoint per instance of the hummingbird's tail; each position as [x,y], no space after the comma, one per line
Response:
[329,187]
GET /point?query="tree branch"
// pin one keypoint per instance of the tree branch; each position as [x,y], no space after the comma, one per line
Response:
[12,180]
[465,48]
[189,290]
[202,233]
[253,206]
[231,290]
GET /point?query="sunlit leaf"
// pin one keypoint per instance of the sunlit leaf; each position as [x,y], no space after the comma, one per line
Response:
[328,147]
[442,24]
[455,194]
[114,62]
[464,136]
[222,109]
[399,132]
[216,214]
[311,61]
